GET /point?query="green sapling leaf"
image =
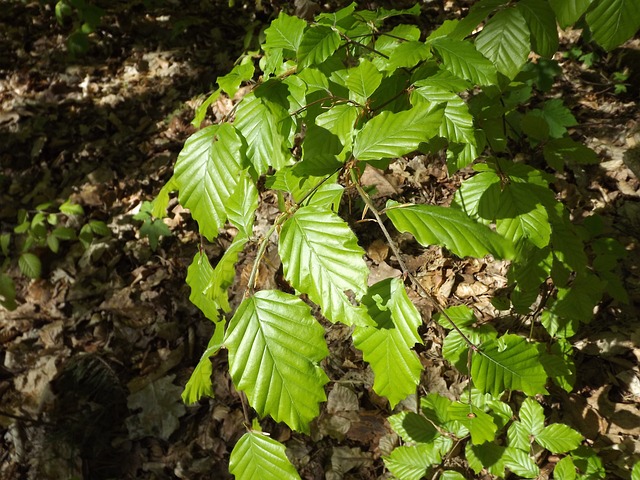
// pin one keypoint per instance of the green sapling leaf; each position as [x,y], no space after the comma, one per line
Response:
[275,346]
[258,456]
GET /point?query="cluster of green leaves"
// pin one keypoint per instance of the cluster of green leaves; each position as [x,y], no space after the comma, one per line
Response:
[43,228]
[342,92]
[85,18]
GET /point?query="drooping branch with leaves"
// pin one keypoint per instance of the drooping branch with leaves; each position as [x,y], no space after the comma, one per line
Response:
[330,97]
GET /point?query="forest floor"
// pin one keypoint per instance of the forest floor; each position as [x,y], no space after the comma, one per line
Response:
[95,356]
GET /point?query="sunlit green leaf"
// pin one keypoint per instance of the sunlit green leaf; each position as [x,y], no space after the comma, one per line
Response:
[199,384]
[520,463]
[318,43]
[364,79]
[532,416]
[199,275]
[435,225]
[457,125]
[321,257]
[242,204]
[508,363]
[410,463]
[505,41]
[223,274]
[243,72]
[284,32]
[391,135]
[462,59]
[565,469]
[480,424]
[258,457]
[259,127]
[559,438]
[206,173]
[387,346]
[489,455]
[275,346]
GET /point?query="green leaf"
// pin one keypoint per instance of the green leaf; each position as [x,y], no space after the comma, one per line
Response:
[521,215]
[509,362]
[480,424]
[505,41]
[387,347]
[560,150]
[451,475]
[199,384]
[557,116]
[242,204]
[321,257]
[477,13]
[284,32]
[569,11]
[488,455]
[612,22]
[565,469]
[437,409]
[7,292]
[206,173]
[457,125]
[413,428]
[320,151]
[588,463]
[69,208]
[318,43]
[339,120]
[391,135]
[532,416]
[635,472]
[463,60]
[275,346]
[243,72]
[520,463]
[258,457]
[479,196]
[201,111]
[199,275]
[518,436]
[64,233]
[327,195]
[259,127]
[161,202]
[153,230]
[30,265]
[100,228]
[541,21]
[363,80]
[408,55]
[53,243]
[223,274]
[435,225]
[410,463]
[559,438]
